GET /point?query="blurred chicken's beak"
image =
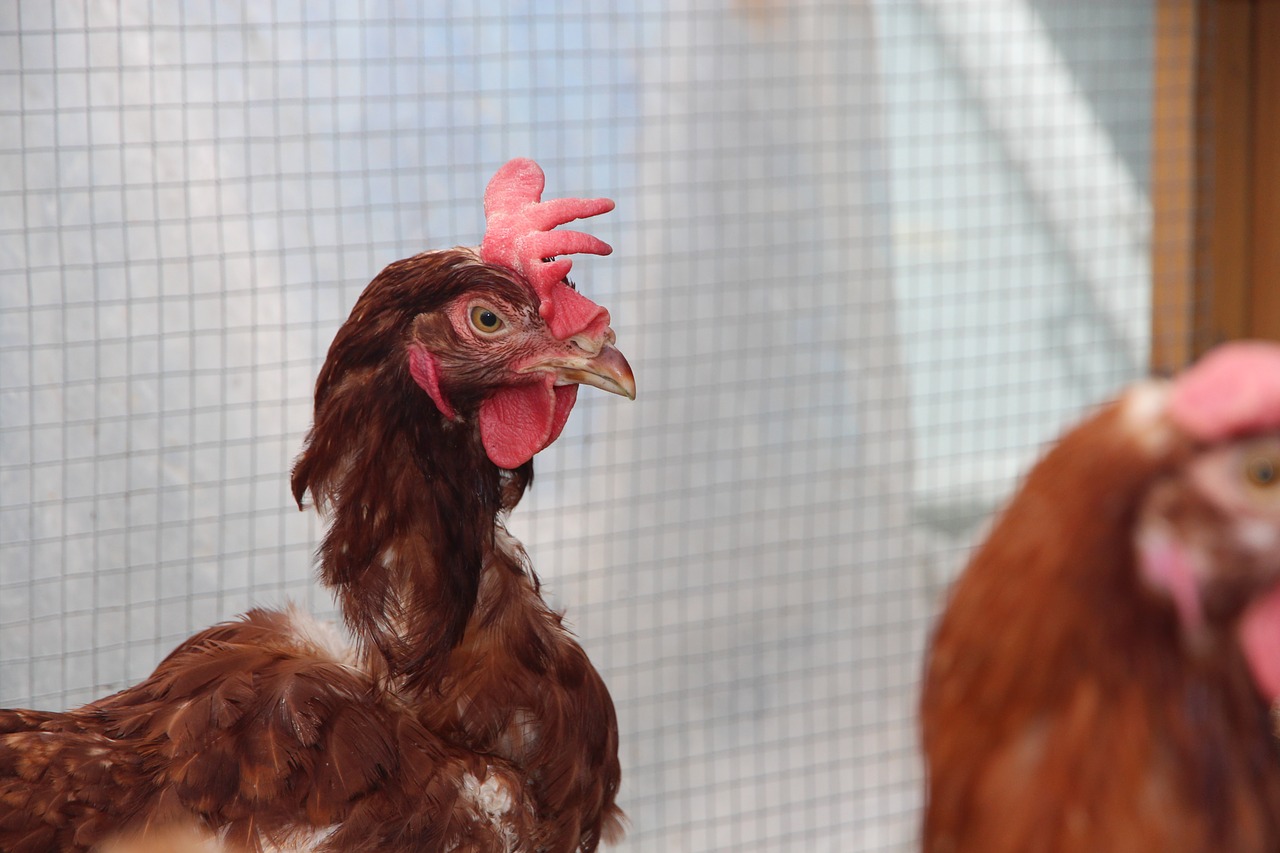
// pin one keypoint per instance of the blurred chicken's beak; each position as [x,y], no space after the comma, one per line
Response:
[607,370]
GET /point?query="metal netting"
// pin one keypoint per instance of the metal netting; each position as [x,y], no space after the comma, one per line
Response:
[869,258]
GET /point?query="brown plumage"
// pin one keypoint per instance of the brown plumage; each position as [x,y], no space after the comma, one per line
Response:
[464,717]
[1090,686]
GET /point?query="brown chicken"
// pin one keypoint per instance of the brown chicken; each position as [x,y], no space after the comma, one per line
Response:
[464,717]
[1102,676]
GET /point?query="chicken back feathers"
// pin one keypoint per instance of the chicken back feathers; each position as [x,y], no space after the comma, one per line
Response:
[1090,684]
[464,717]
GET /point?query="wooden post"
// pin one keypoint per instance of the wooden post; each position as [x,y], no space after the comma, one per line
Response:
[1224,127]
[1173,183]
[1265,248]
[1215,176]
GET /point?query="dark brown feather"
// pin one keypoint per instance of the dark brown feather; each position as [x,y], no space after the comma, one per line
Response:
[466,719]
[413,483]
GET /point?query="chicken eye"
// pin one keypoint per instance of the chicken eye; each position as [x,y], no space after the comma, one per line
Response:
[1262,471]
[485,319]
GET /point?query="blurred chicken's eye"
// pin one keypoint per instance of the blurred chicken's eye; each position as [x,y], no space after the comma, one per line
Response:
[1262,471]
[485,319]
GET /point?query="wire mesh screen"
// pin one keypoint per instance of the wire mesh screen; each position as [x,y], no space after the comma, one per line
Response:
[869,258]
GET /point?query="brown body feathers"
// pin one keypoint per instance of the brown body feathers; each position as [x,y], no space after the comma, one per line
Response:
[1067,705]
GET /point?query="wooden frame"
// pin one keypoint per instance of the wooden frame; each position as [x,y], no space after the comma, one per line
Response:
[1215,176]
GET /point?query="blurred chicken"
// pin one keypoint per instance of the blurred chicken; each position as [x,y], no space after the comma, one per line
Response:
[465,717]
[1102,676]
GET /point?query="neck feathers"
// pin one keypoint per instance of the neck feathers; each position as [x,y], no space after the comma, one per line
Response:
[1053,598]
[411,498]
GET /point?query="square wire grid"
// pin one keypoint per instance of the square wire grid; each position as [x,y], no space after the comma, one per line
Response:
[870,258]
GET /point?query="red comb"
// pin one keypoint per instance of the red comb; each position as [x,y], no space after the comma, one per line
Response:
[1233,390]
[520,235]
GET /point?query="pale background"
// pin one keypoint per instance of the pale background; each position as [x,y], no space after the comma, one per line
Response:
[869,259]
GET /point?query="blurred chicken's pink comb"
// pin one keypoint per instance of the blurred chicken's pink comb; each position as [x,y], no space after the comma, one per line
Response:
[520,235]
[1233,390]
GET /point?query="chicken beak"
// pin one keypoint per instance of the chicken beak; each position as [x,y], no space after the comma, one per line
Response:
[595,363]
[607,370]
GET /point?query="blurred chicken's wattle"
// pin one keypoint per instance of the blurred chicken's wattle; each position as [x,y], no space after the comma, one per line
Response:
[1260,639]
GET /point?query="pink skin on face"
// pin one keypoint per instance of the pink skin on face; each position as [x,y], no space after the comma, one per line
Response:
[517,421]
[1166,564]
[426,372]
[1234,390]
[1259,634]
[522,418]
